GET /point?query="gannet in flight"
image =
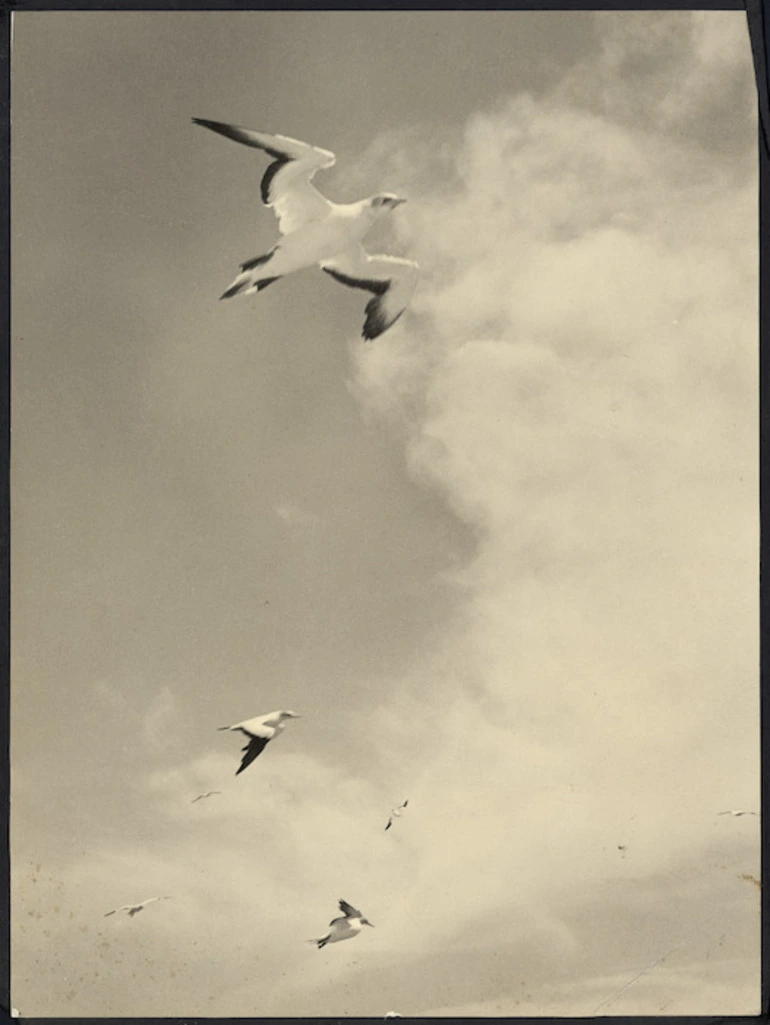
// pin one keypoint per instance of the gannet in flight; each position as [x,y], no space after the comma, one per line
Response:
[395,813]
[259,730]
[737,814]
[317,231]
[348,925]
[209,793]
[134,909]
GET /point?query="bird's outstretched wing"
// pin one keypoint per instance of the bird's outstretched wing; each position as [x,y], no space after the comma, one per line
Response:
[123,907]
[348,910]
[286,184]
[391,281]
[254,747]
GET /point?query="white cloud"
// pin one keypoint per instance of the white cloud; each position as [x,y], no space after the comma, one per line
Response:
[579,380]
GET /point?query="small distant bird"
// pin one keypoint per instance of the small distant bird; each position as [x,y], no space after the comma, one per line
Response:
[134,909]
[260,730]
[396,813]
[317,231]
[393,1014]
[348,925]
[737,814]
[209,793]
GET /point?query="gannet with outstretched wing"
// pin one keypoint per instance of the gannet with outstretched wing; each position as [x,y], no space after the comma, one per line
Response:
[348,925]
[396,813]
[316,231]
[134,909]
[260,731]
[201,797]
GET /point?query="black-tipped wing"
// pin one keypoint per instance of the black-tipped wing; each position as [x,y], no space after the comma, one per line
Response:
[348,910]
[254,747]
[391,281]
[285,184]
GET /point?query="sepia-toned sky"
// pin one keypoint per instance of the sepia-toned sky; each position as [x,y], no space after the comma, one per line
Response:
[503,561]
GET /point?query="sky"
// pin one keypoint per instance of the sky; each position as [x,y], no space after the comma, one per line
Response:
[503,561]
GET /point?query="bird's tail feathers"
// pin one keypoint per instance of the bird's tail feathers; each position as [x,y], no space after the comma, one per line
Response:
[264,282]
[258,261]
[245,284]
[241,284]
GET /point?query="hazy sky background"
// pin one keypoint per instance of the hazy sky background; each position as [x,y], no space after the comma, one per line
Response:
[503,561]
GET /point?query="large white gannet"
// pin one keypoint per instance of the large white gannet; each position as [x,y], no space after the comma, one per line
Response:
[348,925]
[134,909]
[317,231]
[260,731]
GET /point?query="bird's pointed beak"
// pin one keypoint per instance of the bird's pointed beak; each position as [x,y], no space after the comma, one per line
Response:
[367,922]
[398,202]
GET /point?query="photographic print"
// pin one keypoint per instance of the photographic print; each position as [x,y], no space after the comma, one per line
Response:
[385,514]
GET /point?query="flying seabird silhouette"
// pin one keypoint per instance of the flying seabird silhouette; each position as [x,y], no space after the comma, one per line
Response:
[317,231]
[260,731]
[395,813]
[348,925]
[134,909]
[737,814]
[209,793]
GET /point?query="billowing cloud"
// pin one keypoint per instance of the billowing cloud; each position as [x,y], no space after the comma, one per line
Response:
[579,380]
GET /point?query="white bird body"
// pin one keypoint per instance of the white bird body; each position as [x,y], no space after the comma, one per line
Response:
[321,240]
[345,927]
[737,813]
[208,793]
[260,730]
[316,231]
